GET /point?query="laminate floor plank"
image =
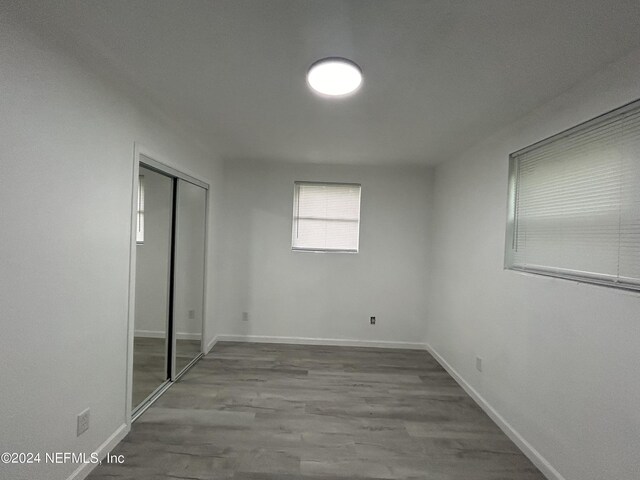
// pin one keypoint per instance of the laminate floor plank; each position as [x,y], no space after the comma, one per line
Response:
[253,411]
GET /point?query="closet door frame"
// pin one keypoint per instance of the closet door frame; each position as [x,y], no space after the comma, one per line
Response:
[153,161]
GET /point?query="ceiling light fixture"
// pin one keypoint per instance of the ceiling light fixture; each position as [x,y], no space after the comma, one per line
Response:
[334,76]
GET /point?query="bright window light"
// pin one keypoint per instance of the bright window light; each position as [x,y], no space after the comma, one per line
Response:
[334,77]
[140,216]
[574,203]
[326,217]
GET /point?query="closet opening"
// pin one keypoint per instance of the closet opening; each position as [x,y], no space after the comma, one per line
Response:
[168,291]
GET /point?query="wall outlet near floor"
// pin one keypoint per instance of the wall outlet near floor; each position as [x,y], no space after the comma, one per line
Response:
[373,320]
[479,364]
[245,316]
[192,314]
[83,422]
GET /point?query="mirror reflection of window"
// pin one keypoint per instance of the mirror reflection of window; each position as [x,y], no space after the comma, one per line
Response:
[140,223]
[153,270]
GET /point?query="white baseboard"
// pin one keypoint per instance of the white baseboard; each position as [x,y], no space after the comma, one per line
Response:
[318,341]
[210,345]
[160,334]
[109,444]
[536,457]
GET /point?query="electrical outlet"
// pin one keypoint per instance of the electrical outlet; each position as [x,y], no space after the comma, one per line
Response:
[192,314]
[245,316]
[373,320]
[83,422]
[479,364]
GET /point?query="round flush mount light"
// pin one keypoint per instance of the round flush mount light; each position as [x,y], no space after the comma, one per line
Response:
[334,76]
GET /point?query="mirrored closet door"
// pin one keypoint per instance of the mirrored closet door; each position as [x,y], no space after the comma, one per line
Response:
[153,266]
[189,273]
[170,279]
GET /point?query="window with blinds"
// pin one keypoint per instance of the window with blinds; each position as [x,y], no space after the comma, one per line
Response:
[140,213]
[326,217]
[574,208]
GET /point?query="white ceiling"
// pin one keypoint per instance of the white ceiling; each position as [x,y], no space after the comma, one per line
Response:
[438,75]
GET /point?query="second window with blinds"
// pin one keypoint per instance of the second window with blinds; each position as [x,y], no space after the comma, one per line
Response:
[575,203]
[326,217]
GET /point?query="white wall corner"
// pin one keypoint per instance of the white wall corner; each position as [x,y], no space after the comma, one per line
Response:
[529,450]
[211,344]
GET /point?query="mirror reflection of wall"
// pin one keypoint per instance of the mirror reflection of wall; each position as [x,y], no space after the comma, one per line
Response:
[189,272]
[153,248]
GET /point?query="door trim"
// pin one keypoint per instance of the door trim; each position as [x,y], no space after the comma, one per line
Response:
[165,169]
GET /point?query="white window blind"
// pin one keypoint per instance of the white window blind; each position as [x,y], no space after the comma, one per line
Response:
[140,214]
[575,202]
[326,217]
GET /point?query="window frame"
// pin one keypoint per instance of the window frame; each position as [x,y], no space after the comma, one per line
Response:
[296,183]
[140,211]
[602,279]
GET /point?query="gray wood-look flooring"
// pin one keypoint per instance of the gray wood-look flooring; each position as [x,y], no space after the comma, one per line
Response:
[268,411]
[149,366]
[150,363]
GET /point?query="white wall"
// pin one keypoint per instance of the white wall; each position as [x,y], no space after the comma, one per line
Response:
[324,295]
[66,176]
[560,358]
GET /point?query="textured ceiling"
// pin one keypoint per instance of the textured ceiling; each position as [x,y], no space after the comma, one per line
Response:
[438,75]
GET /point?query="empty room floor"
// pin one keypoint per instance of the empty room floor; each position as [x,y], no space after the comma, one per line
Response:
[268,411]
